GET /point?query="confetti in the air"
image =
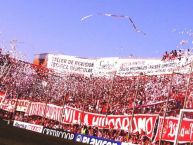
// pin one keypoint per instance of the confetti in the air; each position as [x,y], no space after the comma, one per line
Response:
[116,16]
[183,42]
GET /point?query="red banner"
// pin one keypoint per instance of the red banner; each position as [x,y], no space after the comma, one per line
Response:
[49,111]
[144,122]
[36,108]
[75,116]
[170,129]
[10,104]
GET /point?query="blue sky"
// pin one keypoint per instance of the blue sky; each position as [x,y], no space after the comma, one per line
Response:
[54,26]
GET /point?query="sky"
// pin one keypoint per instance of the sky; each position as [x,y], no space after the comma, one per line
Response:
[54,26]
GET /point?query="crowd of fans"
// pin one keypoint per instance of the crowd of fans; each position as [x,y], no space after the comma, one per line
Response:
[148,94]
[176,54]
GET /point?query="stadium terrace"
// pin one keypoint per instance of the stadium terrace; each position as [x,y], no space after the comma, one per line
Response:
[100,100]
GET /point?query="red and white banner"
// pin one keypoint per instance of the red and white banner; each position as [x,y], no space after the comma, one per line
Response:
[22,105]
[144,122]
[10,104]
[6,104]
[49,111]
[28,126]
[53,112]
[36,108]
[71,115]
[170,129]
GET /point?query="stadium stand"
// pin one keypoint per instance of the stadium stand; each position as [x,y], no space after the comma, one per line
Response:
[27,88]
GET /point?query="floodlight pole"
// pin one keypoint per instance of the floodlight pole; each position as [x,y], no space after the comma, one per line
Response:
[133,110]
[188,85]
[63,104]
[82,111]
[7,70]
[109,97]
[44,84]
[16,104]
[184,106]
[31,96]
[166,109]
[64,100]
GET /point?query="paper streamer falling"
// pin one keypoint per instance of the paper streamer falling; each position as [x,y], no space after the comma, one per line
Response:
[115,16]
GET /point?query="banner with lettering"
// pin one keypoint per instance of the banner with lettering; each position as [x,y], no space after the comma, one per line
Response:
[106,67]
[141,122]
[36,108]
[145,122]
[70,64]
[28,126]
[5,104]
[93,140]
[110,66]
[58,133]
[49,111]
[70,115]
[130,67]
[170,128]
[10,104]
[22,105]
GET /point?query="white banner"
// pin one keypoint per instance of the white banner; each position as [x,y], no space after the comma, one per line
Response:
[131,67]
[75,116]
[28,126]
[70,64]
[106,67]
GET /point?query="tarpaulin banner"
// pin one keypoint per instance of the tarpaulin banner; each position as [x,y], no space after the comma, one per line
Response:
[70,64]
[108,67]
[10,104]
[170,129]
[70,115]
[130,67]
[145,122]
[49,111]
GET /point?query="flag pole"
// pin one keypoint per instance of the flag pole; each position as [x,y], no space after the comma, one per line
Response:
[64,99]
[166,109]
[109,97]
[134,104]
[184,105]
